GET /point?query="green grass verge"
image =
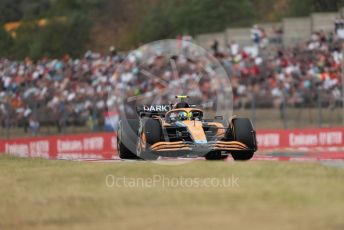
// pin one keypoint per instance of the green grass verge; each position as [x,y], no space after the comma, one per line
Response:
[43,194]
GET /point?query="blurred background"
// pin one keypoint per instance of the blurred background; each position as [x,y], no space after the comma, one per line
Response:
[58,59]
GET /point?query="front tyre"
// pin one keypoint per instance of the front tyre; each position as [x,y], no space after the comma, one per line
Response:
[242,156]
[144,154]
[215,155]
[152,134]
[242,131]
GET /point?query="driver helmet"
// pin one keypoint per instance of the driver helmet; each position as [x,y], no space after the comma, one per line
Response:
[182,115]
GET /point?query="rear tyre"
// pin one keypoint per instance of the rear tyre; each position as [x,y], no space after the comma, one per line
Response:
[243,132]
[153,132]
[127,139]
[215,155]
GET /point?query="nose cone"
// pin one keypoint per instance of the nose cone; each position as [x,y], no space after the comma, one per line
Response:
[195,128]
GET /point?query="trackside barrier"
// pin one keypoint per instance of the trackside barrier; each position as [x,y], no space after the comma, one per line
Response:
[301,138]
[104,145]
[93,145]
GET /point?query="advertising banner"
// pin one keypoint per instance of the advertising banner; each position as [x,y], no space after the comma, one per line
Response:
[104,145]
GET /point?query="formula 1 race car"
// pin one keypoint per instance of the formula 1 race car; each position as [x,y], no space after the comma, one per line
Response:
[181,131]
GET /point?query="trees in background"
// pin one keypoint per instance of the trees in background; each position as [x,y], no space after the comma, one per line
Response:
[305,7]
[66,31]
[57,38]
[6,41]
[128,23]
[171,17]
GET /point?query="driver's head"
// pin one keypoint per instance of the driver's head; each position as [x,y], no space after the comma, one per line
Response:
[182,115]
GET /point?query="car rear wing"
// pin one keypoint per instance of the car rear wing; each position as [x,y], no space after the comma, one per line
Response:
[150,110]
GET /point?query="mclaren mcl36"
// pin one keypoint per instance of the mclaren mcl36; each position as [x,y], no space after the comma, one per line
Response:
[181,131]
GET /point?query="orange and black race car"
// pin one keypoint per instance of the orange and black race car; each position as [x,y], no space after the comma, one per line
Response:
[181,131]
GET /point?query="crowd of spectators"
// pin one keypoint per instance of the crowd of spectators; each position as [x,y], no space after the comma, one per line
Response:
[70,91]
[55,92]
[297,76]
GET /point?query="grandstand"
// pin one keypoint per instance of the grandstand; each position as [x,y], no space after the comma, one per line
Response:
[67,95]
